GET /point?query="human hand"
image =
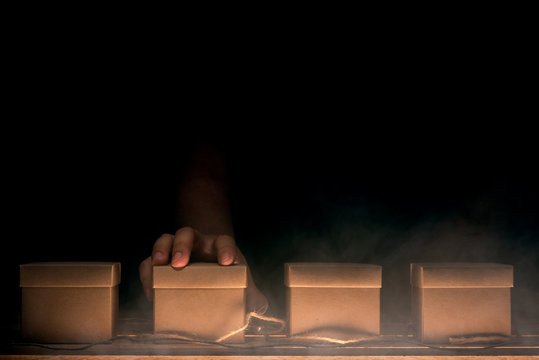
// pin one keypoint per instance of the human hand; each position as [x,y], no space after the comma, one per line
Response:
[189,244]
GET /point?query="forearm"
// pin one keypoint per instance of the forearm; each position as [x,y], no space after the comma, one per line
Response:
[203,205]
[205,230]
[203,197]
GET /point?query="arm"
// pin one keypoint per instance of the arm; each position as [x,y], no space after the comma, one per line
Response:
[205,227]
[203,196]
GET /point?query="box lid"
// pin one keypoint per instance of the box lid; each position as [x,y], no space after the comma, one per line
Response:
[452,275]
[200,276]
[333,275]
[70,274]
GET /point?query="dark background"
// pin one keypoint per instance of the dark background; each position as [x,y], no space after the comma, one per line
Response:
[400,139]
[416,147]
[362,190]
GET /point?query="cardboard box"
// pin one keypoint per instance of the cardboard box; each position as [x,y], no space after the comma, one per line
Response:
[337,300]
[69,302]
[202,301]
[460,299]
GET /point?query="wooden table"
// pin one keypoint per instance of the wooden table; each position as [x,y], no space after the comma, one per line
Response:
[135,341]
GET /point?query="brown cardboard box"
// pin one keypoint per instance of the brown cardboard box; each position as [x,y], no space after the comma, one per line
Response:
[202,301]
[460,299]
[337,300]
[69,302]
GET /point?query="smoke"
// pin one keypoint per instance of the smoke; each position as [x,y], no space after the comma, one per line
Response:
[480,232]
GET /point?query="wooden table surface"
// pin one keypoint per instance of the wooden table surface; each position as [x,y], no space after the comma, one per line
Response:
[136,341]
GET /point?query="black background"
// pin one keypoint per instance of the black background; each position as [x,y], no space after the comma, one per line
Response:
[422,152]
[362,190]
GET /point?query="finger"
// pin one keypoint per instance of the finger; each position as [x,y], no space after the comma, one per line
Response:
[225,248]
[241,260]
[182,246]
[145,272]
[256,300]
[161,249]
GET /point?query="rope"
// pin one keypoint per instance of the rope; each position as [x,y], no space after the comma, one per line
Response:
[250,316]
[333,340]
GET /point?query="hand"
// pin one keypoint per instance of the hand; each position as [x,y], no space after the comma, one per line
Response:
[189,244]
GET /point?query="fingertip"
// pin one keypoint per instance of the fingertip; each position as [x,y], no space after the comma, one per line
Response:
[225,262]
[226,249]
[227,257]
[179,260]
[159,258]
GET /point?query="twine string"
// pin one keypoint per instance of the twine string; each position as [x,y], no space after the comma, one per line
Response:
[250,316]
[332,340]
